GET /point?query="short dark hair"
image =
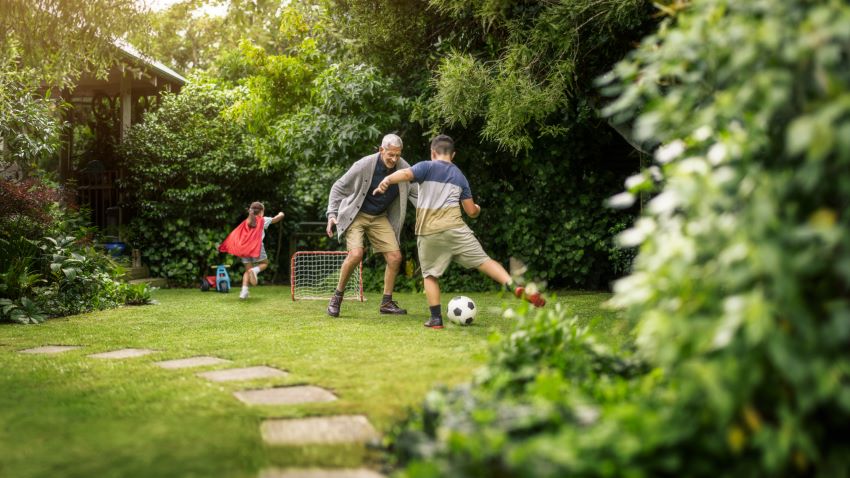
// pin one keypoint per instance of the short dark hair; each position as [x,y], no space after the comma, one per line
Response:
[443,144]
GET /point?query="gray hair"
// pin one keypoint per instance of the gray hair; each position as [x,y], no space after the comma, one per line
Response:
[391,141]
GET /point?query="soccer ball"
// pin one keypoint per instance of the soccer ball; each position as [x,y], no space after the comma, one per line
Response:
[462,310]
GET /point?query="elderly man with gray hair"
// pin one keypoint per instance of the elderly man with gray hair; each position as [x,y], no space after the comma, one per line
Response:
[358,214]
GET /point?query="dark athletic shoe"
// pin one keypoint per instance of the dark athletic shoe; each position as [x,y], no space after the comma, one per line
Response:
[435,323]
[391,307]
[334,304]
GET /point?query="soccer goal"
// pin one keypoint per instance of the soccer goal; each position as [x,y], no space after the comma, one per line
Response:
[315,274]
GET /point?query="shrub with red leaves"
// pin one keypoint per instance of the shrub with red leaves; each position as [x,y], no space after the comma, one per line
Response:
[30,198]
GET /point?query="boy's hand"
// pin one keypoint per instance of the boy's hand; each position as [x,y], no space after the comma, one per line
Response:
[331,224]
[382,188]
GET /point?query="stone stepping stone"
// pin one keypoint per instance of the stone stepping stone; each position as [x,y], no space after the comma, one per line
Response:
[123,353]
[248,373]
[191,362]
[285,395]
[49,349]
[319,473]
[318,430]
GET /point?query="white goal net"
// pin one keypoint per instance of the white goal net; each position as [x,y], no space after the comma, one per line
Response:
[315,274]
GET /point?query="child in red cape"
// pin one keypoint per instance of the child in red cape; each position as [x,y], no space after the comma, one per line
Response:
[246,242]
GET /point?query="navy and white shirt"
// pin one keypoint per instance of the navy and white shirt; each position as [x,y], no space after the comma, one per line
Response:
[442,186]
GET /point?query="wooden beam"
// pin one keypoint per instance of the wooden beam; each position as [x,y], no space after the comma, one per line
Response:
[126,104]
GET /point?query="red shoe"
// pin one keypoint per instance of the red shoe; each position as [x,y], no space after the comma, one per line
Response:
[535,299]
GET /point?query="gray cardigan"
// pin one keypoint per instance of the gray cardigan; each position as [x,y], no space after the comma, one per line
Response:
[349,192]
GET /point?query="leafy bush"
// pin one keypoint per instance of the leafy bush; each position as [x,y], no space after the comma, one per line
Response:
[80,279]
[739,292]
[59,276]
[24,311]
[137,294]
[192,175]
[546,383]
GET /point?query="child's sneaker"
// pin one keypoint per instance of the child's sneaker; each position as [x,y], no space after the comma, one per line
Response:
[434,323]
[535,299]
[243,294]
[252,276]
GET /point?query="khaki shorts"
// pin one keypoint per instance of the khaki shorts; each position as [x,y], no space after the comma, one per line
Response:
[377,228]
[437,251]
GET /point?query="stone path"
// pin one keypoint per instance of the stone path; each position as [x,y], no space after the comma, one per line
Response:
[190,362]
[49,349]
[123,353]
[319,473]
[318,430]
[248,373]
[285,395]
[325,430]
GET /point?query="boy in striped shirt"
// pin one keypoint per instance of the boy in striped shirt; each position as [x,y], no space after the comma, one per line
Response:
[441,234]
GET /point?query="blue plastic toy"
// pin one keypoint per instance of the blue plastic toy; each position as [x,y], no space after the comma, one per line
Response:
[221,279]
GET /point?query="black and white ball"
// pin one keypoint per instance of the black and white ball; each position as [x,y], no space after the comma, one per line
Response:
[461,310]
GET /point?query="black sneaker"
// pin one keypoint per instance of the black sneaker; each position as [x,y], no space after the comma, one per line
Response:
[435,323]
[391,307]
[333,305]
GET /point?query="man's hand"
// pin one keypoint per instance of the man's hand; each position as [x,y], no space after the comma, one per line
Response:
[331,224]
[382,188]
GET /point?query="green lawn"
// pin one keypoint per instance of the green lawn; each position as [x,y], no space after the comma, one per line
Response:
[74,416]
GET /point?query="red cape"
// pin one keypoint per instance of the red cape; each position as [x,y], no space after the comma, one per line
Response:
[244,241]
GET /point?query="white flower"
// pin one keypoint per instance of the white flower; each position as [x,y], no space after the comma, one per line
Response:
[586,415]
[670,151]
[703,133]
[635,180]
[631,237]
[636,235]
[621,201]
[717,153]
[664,203]
[693,165]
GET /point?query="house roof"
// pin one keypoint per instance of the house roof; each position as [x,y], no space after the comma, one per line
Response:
[132,53]
[147,76]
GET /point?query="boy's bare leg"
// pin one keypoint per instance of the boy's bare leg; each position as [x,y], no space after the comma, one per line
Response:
[495,271]
[432,291]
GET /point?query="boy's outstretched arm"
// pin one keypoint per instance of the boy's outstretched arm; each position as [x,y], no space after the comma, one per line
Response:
[403,175]
[278,218]
[470,208]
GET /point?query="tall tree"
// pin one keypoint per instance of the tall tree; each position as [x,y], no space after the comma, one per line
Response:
[58,39]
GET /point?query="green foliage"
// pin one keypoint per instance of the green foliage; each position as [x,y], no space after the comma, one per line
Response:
[59,39]
[192,174]
[80,279]
[512,83]
[22,311]
[29,129]
[739,291]
[535,61]
[544,388]
[138,294]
